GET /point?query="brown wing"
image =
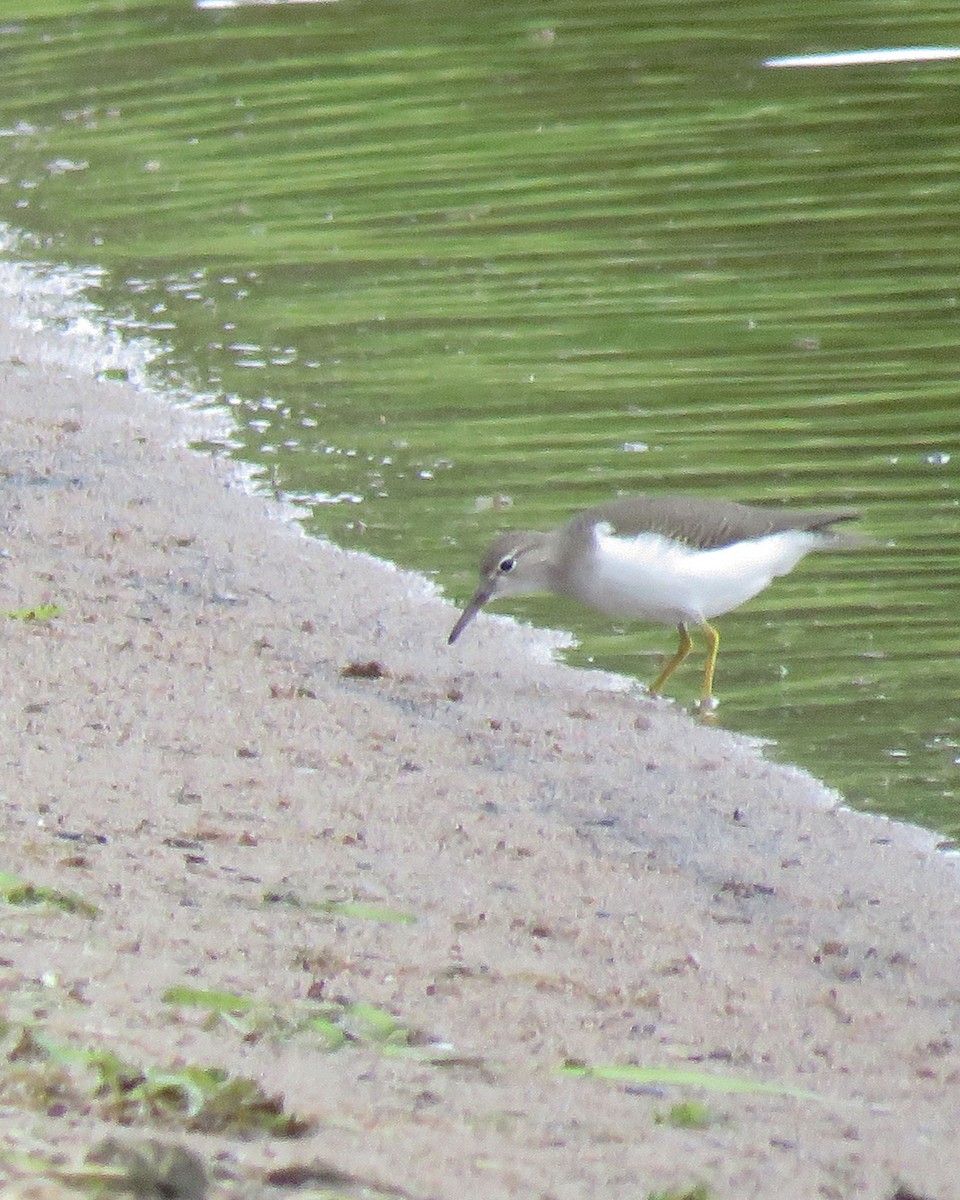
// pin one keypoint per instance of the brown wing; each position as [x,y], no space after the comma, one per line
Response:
[706,524]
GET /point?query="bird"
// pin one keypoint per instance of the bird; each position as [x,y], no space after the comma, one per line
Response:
[674,560]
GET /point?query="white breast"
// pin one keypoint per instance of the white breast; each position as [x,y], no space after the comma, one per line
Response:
[651,578]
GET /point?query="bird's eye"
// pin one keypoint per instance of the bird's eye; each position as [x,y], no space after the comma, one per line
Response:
[506,565]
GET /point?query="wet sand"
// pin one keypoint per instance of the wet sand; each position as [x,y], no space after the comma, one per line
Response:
[586,875]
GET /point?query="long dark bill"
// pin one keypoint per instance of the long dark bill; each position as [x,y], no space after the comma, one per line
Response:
[479,599]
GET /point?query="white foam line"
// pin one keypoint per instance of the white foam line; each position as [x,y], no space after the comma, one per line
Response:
[850,58]
[213,4]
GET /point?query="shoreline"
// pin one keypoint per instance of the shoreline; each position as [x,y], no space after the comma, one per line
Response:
[561,870]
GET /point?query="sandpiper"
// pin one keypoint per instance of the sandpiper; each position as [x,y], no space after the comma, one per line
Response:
[676,560]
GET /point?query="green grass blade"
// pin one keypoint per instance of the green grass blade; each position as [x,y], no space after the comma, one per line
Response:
[682,1076]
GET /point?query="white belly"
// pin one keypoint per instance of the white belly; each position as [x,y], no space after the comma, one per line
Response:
[652,579]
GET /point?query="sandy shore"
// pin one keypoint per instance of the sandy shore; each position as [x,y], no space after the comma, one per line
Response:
[477,866]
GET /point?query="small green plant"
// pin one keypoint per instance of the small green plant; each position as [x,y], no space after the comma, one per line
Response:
[39,612]
[334,1023]
[357,909]
[40,1073]
[20,894]
[687,1115]
[144,1168]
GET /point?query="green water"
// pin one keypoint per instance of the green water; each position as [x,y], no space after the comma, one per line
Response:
[454,268]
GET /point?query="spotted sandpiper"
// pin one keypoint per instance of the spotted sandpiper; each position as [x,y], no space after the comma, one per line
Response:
[677,560]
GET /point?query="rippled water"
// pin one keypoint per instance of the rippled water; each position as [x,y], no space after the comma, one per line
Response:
[458,270]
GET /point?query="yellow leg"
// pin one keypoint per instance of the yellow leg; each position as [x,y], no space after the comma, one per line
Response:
[713,646]
[686,645]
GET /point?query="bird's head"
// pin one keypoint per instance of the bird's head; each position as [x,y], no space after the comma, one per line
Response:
[516,564]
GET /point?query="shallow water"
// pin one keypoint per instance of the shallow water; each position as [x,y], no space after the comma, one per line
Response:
[455,270]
